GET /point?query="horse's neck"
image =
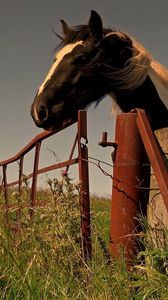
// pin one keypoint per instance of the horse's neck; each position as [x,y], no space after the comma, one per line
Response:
[159,76]
[115,109]
[147,96]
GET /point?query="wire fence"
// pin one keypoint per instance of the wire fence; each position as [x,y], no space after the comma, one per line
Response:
[36,143]
[124,188]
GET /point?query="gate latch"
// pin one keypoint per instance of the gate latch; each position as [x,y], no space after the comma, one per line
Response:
[105,143]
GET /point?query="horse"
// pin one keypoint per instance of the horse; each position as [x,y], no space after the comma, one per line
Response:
[93,61]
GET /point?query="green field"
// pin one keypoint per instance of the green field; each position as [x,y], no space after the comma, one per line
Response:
[42,259]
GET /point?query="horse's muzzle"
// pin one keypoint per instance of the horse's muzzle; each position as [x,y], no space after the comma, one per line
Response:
[39,114]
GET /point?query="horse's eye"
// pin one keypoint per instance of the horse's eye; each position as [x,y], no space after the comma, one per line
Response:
[81,59]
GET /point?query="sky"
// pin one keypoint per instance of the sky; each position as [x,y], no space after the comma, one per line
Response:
[26,53]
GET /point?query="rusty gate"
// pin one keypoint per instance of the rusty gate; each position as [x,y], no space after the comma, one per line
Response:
[82,161]
[135,147]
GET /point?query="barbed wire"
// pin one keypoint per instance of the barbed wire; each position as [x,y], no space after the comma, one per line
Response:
[97,162]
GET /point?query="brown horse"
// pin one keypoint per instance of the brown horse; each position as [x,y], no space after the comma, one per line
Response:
[93,61]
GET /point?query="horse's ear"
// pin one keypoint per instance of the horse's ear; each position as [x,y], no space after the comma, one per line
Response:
[65,28]
[95,24]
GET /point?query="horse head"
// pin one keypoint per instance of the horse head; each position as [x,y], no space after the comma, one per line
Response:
[93,61]
[81,72]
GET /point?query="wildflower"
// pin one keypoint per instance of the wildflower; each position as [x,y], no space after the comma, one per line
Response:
[64,173]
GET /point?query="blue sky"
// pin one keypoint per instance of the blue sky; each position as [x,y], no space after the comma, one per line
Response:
[26,53]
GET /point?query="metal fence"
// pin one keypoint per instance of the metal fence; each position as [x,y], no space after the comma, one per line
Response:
[82,160]
[136,150]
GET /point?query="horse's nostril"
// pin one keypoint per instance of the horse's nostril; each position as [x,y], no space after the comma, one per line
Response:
[42,113]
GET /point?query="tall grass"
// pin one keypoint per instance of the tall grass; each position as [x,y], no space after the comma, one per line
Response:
[42,259]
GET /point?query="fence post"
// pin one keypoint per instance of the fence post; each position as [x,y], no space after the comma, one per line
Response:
[34,180]
[18,213]
[84,179]
[5,191]
[129,199]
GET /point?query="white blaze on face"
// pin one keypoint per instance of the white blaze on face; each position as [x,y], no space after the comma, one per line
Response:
[59,56]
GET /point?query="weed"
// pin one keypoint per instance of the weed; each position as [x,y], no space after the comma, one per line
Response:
[42,258]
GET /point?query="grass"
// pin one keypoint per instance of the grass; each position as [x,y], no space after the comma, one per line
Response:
[43,260]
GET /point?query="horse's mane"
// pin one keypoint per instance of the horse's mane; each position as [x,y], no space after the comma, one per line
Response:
[79,33]
[160,70]
[136,69]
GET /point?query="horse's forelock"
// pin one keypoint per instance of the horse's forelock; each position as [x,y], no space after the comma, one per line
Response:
[78,33]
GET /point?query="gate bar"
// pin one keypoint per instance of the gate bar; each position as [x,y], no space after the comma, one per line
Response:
[154,155]
[5,191]
[72,152]
[34,181]
[18,214]
[84,179]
